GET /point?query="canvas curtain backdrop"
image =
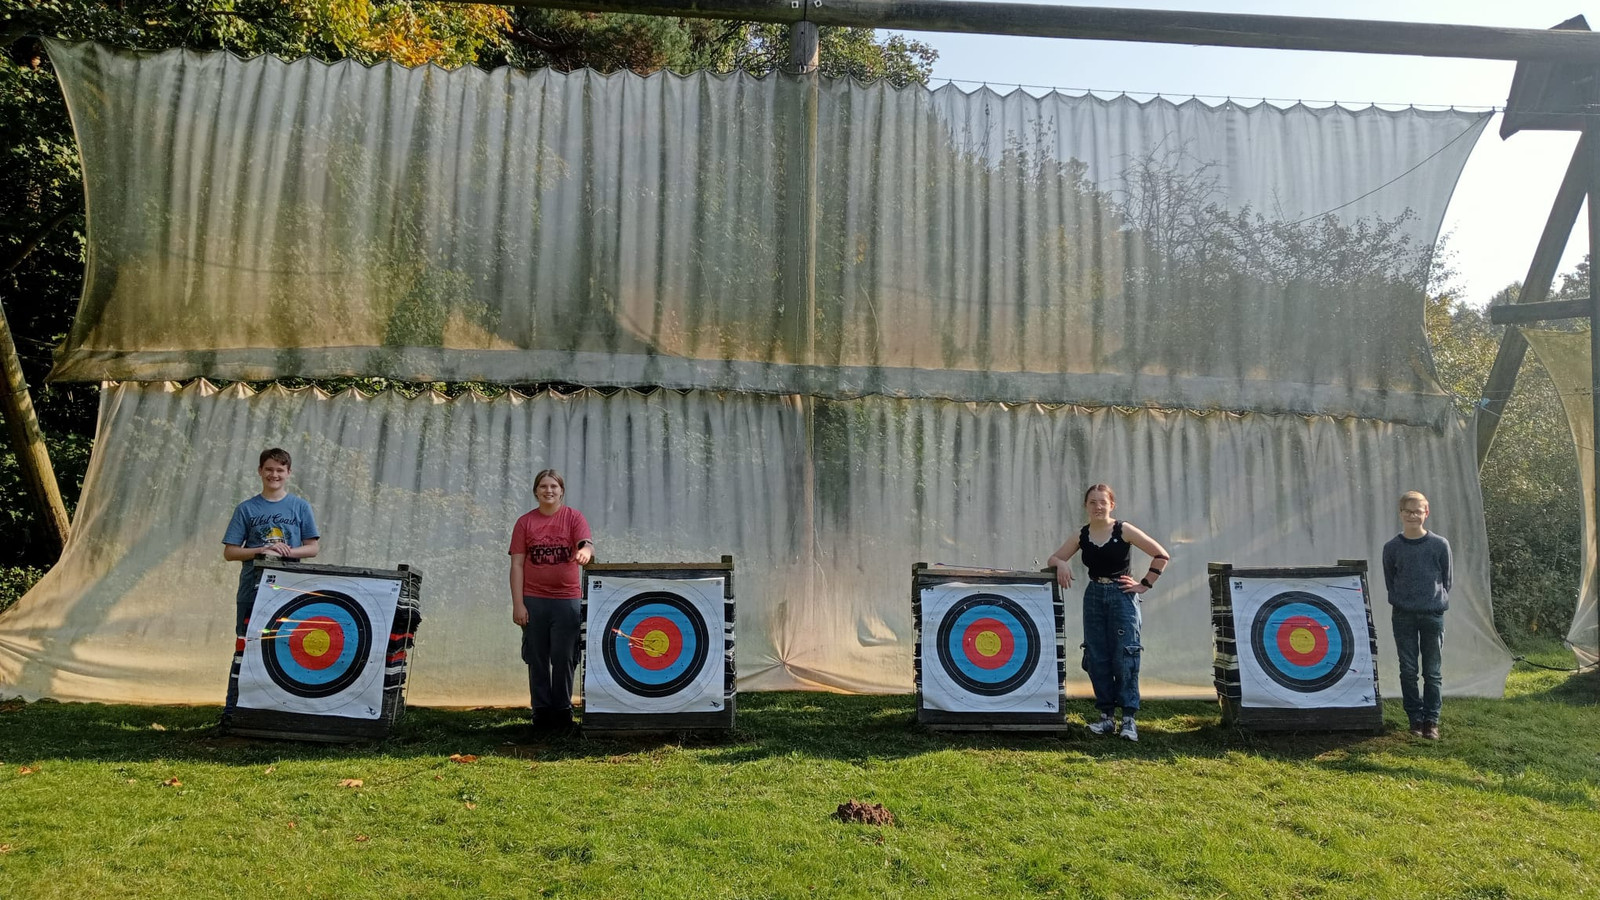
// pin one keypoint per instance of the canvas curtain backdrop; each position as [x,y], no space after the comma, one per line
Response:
[824,523]
[830,328]
[1565,355]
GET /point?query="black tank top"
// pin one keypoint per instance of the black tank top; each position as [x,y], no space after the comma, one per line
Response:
[1108,560]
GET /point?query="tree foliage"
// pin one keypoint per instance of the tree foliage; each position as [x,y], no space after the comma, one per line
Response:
[1532,501]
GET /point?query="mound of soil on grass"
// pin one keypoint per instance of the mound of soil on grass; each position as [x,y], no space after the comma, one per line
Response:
[865,813]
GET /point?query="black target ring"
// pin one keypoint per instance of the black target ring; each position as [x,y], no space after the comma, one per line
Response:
[276,641]
[626,672]
[1002,610]
[1328,670]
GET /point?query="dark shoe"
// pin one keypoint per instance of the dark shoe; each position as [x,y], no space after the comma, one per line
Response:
[1418,729]
[1431,731]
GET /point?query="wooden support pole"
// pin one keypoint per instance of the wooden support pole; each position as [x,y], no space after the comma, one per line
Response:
[1547,311]
[1535,288]
[805,47]
[1140,25]
[27,441]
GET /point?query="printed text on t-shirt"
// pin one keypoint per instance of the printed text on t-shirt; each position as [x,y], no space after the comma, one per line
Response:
[549,555]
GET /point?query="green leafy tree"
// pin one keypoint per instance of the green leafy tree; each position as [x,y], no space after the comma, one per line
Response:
[610,41]
[1532,503]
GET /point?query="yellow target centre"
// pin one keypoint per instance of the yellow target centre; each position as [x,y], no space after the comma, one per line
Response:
[316,642]
[1302,640]
[656,643]
[987,643]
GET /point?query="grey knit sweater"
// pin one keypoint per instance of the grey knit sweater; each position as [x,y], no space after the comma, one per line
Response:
[1417,572]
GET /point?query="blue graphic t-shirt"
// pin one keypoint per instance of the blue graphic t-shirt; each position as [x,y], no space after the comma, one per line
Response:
[259,521]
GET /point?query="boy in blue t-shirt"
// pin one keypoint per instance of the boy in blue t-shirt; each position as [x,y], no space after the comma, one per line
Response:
[272,524]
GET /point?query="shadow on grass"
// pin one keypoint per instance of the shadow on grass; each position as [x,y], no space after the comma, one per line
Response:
[1507,745]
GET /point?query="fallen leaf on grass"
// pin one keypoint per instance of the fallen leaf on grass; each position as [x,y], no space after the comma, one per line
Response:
[172,782]
[463,758]
[133,781]
[157,726]
[5,848]
[26,770]
[351,782]
[438,778]
[362,839]
[470,805]
[291,824]
[270,770]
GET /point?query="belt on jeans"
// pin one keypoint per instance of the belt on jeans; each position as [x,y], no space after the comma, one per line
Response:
[1104,580]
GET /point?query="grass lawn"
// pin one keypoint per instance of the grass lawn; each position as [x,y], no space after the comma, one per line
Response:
[125,801]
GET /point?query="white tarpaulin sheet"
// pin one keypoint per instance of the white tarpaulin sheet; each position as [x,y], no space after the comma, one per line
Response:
[824,523]
[1565,355]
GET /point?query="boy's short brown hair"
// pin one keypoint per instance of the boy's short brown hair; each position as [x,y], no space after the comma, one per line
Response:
[275,453]
[1409,496]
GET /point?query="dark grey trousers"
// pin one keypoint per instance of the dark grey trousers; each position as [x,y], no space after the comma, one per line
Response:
[550,648]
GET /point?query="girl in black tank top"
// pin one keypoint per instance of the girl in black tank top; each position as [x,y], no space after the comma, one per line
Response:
[1111,618]
[1108,560]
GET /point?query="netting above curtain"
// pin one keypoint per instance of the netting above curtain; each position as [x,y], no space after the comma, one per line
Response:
[257,218]
[1565,355]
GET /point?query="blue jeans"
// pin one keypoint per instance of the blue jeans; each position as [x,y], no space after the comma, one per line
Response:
[1111,648]
[1419,636]
[550,648]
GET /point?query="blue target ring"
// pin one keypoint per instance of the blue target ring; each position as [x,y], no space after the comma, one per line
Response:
[316,645]
[988,644]
[655,644]
[1302,641]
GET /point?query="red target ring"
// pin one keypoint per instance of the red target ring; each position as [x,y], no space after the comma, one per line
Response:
[1302,640]
[655,643]
[316,643]
[987,643]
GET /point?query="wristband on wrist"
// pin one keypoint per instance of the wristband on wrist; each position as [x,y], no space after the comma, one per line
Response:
[1146,582]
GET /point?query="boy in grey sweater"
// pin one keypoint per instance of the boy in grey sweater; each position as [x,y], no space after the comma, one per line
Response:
[1416,572]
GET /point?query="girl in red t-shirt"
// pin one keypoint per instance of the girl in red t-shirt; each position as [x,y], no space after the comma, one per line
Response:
[548,545]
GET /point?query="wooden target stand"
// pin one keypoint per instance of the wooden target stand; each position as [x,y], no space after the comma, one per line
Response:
[1294,649]
[623,693]
[294,706]
[980,699]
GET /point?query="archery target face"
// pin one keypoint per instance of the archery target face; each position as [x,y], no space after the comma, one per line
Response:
[989,648]
[654,645]
[1303,643]
[315,644]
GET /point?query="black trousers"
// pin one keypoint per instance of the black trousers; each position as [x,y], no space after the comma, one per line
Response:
[550,648]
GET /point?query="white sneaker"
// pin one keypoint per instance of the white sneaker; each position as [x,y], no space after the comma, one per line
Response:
[1106,725]
[1129,730]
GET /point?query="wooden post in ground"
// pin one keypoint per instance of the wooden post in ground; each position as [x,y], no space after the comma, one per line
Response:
[27,441]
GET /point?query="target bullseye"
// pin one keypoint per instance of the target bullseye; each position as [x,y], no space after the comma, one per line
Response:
[1302,641]
[657,644]
[988,644]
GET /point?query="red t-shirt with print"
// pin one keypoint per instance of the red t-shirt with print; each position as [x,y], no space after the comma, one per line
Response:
[546,544]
